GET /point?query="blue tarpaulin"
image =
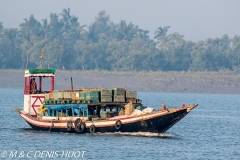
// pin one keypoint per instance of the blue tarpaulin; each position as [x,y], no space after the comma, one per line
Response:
[58,108]
[73,109]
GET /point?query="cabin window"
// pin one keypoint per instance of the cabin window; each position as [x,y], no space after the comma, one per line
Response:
[30,85]
[47,84]
[38,85]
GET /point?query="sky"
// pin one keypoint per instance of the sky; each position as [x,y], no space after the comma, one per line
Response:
[194,19]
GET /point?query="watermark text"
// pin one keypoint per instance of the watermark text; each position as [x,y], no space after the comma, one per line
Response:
[42,154]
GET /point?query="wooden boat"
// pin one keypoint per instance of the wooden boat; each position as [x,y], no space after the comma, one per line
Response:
[90,109]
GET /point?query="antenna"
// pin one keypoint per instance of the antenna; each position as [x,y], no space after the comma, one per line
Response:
[71,83]
[41,57]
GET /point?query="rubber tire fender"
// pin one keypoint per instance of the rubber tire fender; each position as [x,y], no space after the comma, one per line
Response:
[118,125]
[80,127]
[92,128]
[78,120]
[69,125]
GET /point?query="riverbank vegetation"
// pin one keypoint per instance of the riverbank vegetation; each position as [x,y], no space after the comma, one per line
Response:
[158,81]
[105,45]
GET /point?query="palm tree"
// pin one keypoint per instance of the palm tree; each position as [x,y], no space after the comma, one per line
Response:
[45,28]
[29,30]
[66,18]
[160,34]
[126,32]
[55,25]
[30,27]
[1,26]
[143,34]
[78,32]
[101,25]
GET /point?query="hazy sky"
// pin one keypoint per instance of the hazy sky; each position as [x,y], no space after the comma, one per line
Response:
[195,19]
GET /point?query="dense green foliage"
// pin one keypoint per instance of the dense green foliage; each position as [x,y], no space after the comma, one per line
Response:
[104,45]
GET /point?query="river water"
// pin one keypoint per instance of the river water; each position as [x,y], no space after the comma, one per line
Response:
[210,131]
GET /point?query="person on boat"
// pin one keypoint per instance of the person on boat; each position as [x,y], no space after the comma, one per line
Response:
[121,112]
[27,88]
[33,85]
[164,108]
[90,111]
[69,111]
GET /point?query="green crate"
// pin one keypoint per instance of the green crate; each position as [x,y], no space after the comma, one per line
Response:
[66,94]
[131,94]
[92,93]
[119,91]
[106,98]
[57,95]
[106,92]
[80,96]
[119,98]
[92,99]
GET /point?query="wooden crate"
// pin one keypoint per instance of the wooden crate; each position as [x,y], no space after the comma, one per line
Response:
[92,99]
[66,94]
[119,91]
[46,96]
[131,94]
[58,95]
[77,95]
[106,92]
[73,95]
[51,95]
[106,98]
[119,98]
[80,96]
[92,93]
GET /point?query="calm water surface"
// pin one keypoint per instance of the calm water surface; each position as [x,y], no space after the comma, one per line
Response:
[210,131]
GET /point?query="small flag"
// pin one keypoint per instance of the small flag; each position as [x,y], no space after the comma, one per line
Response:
[41,55]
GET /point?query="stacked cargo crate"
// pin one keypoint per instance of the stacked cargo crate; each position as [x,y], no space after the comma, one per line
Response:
[80,97]
[87,96]
[73,95]
[119,94]
[53,97]
[92,96]
[131,96]
[57,95]
[106,95]
[66,94]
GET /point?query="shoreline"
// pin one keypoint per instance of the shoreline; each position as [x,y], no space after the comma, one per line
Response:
[179,82]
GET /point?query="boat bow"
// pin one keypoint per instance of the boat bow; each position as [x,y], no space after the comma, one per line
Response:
[191,107]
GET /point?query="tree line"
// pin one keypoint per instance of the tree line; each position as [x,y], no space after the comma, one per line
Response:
[105,45]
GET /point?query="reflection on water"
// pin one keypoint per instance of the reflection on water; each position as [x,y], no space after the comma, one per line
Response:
[139,134]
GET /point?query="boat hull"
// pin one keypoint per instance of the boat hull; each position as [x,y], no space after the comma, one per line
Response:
[157,122]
